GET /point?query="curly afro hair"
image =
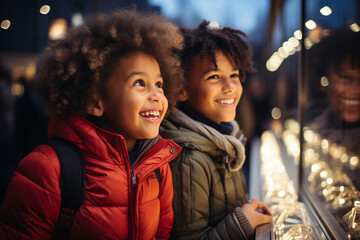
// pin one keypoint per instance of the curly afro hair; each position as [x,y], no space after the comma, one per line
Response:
[206,40]
[75,68]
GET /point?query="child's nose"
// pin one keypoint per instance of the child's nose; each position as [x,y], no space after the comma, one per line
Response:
[155,94]
[356,85]
[229,85]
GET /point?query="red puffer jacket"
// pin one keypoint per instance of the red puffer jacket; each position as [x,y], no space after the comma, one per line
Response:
[113,206]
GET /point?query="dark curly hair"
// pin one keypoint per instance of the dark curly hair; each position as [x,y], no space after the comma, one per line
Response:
[75,68]
[329,53]
[206,40]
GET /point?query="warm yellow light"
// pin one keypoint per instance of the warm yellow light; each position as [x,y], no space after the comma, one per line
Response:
[298,34]
[287,47]
[329,181]
[308,43]
[5,24]
[17,89]
[45,9]
[315,168]
[324,81]
[354,160]
[276,58]
[310,24]
[57,29]
[355,27]
[214,25]
[344,158]
[274,62]
[323,174]
[270,66]
[281,193]
[77,19]
[294,42]
[309,135]
[283,53]
[326,11]
[324,144]
[276,113]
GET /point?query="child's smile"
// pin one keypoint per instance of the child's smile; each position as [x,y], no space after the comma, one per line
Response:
[228,101]
[151,115]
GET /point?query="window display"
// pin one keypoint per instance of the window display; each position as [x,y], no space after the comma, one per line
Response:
[310,157]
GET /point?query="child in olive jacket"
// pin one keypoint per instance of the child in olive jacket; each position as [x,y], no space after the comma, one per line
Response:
[104,83]
[210,196]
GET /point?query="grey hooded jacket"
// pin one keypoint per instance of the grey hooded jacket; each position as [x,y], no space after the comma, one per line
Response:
[208,181]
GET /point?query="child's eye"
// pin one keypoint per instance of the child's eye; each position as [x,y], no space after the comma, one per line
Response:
[139,83]
[159,84]
[235,75]
[213,77]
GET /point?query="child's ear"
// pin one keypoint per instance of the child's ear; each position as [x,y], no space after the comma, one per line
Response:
[183,96]
[97,109]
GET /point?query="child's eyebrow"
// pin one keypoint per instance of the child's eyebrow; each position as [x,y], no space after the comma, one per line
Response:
[215,70]
[139,73]
[210,70]
[134,73]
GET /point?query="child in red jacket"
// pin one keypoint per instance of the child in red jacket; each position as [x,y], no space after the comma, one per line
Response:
[104,83]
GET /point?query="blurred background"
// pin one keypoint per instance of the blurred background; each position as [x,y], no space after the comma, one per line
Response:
[280,32]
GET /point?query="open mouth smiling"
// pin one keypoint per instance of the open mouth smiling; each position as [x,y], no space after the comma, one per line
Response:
[152,114]
[350,101]
[226,101]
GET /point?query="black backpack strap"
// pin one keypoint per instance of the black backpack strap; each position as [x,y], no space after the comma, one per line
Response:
[158,176]
[72,184]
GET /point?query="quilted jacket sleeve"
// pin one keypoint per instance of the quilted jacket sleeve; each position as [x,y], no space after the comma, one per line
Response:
[31,205]
[192,185]
[166,210]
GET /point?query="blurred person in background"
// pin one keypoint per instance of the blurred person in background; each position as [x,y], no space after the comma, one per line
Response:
[7,126]
[334,67]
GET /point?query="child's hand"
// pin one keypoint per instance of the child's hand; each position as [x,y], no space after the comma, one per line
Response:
[256,212]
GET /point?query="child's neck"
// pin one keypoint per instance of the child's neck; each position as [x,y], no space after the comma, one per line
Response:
[224,128]
[130,144]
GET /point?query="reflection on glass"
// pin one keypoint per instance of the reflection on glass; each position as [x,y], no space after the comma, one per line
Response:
[332,133]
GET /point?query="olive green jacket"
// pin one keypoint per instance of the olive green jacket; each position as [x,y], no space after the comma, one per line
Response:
[208,181]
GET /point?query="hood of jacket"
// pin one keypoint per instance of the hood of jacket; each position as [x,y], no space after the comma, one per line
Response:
[200,136]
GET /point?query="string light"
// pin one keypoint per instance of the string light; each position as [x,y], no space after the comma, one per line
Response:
[5,24]
[45,9]
[326,11]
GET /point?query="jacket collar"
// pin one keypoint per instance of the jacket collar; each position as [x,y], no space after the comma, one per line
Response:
[94,141]
[234,149]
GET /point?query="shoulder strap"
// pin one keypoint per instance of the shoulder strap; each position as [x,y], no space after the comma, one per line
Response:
[72,184]
[158,176]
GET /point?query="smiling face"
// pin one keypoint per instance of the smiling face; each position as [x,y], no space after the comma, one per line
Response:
[212,92]
[345,91]
[134,104]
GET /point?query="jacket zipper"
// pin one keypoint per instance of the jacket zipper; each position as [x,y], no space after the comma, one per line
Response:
[133,178]
[134,185]
[133,202]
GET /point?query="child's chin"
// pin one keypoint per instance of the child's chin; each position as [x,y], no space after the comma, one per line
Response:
[151,136]
[227,119]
